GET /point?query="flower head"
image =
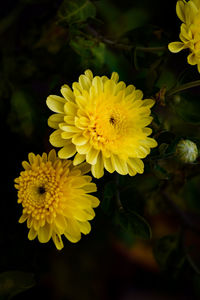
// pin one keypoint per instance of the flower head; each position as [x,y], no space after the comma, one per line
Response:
[189,14]
[186,151]
[103,122]
[55,200]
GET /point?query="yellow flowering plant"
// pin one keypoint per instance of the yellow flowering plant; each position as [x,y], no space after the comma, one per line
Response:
[104,122]
[189,13]
[97,83]
[55,198]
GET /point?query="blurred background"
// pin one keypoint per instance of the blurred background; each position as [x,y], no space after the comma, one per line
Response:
[154,254]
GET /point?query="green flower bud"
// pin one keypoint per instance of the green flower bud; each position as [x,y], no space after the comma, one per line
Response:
[186,151]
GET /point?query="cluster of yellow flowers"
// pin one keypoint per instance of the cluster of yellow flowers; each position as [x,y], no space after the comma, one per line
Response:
[102,124]
[189,14]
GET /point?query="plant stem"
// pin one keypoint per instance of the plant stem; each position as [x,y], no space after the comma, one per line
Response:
[117,193]
[183,87]
[117,45]
[150,49]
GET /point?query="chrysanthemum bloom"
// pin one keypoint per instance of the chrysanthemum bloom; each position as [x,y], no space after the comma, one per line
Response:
[55,200]
[103,122]
[186,151]
[189,14]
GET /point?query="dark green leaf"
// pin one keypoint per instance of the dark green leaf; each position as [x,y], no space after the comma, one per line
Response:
[15,282]
[134,223]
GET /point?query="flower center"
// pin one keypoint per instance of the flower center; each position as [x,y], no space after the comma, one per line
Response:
[112,120]
[41,190]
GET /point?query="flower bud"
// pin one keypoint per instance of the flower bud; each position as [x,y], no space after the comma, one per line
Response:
[186,151]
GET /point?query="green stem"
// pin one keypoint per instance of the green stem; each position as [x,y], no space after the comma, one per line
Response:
[151,49]
[117,193]
[183,87]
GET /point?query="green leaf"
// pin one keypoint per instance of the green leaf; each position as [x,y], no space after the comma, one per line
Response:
[134,223]
[15,282]
[76,11]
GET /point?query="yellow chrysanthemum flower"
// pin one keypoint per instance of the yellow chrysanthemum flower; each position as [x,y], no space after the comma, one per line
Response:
[103,122]
[55,200]
[189,14]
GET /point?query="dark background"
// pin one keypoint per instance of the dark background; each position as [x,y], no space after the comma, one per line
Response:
[40,50]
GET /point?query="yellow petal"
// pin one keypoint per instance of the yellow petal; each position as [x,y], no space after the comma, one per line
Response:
[83,215]
[32,234]
[81,101]
[190,12]
[192,59]
[56,103]
[176,47]
[79,139]
[108,164]
[44,233]
[69,120]
[67,135]
[98,84]
[97,169]
[84,168]
[136,164]
[109,87]
[180,10]
[138,95]
[89,74]
[147,131]
[84,82]
[67,151]
[115,77]
[31,158]
[70,108]
[69,128]
[72,231]
[56,140]
[72,239]
[67,93]
[26,165]
[94,200]
[148,102]
[60,222]
[83,149]
[79,158]
[57,241]
[119,164]
[23,218]
[85,227]
[129,90]
[92,156]
[54,120]
[52,155]
[90,187]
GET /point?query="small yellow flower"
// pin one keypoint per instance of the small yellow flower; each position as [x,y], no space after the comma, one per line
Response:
[189,14]
[103,122]
[55,200]
[186,151]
